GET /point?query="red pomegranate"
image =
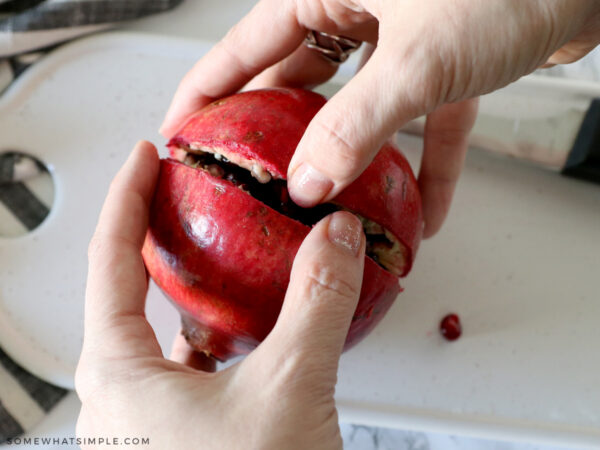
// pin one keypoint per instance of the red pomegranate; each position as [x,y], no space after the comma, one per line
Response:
[223,231]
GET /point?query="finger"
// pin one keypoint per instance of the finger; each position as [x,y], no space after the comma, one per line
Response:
[303,68]
[248,49]
[345,135]
[117,283]
[322,294]
[182,353]
[446,141]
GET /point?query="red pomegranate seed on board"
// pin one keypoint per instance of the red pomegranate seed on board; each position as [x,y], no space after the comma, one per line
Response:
[450,327]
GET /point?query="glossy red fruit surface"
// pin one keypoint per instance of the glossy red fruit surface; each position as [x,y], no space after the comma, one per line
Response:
[224,257]
[450,327]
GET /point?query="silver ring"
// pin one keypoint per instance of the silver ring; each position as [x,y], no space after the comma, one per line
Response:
[335,49]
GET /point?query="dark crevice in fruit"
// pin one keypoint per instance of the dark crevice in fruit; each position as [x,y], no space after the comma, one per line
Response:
[274,194]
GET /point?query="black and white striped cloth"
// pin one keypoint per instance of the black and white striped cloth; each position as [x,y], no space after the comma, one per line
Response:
[27,26]
[24,398]
[17,199]
[29,29]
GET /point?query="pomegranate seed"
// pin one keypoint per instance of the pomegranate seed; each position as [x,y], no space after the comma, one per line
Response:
[450,327]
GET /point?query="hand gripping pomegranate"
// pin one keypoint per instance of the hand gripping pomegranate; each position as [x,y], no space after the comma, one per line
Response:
[223,231]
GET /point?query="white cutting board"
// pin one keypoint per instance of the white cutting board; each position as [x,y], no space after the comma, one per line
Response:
[518,259]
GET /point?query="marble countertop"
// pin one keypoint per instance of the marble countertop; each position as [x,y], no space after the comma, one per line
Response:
[61,423]
[209,19]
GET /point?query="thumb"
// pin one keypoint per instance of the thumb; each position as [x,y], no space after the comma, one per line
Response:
[345,135]
[322,294]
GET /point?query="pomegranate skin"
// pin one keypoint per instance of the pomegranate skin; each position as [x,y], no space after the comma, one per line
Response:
[387,193]
[224,259]
[266,125]
[263,125]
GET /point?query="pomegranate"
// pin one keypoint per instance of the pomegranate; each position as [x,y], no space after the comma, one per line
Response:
[223,231]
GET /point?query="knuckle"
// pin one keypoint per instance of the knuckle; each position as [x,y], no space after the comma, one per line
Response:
[430,81]
[230,45]
[104,247]
[440,180]
[347,157]
[97,246]
[323,282]
[108,247]
[423,69]
[452,141]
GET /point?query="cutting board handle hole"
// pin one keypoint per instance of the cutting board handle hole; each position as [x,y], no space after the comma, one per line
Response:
[26,193]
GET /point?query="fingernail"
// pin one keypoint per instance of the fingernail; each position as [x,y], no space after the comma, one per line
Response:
[308,186]
[345,230]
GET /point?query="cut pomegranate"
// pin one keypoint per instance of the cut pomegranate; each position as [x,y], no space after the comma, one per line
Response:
[223,231]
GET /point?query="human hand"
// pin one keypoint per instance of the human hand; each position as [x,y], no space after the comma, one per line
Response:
[279,396]
[431,57]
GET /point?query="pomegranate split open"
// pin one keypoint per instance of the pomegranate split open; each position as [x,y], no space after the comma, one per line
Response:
[382,245]
[223,231]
